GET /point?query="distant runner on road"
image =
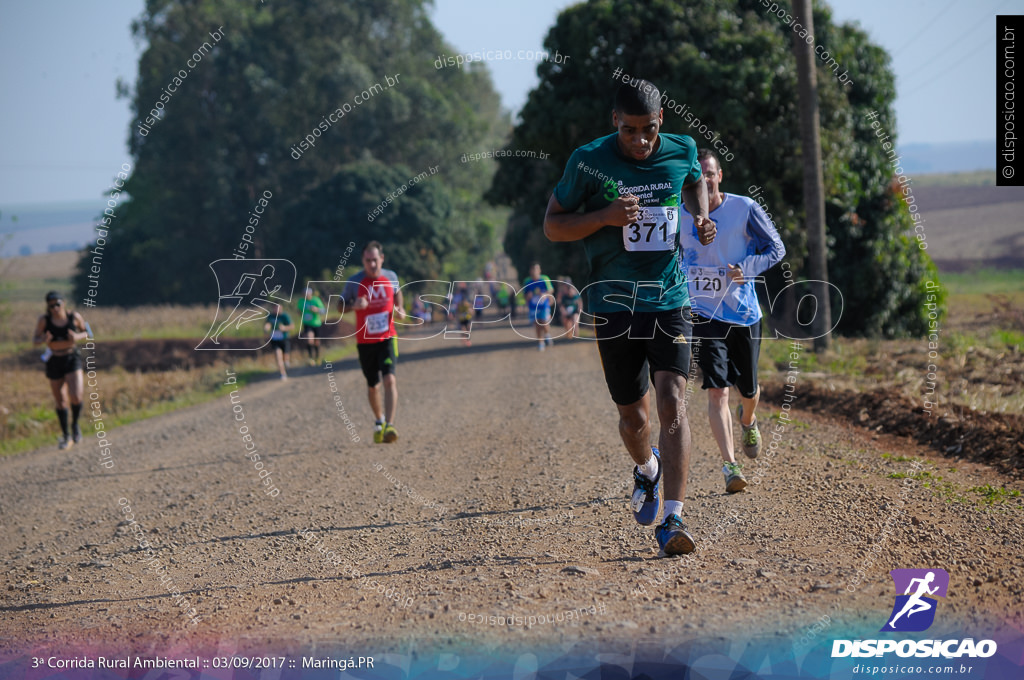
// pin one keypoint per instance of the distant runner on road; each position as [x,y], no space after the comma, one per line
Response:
[537,290]
[60,330]
[727,316]
[628,185]
[312,312]
[278,324]
[569,307]
[464,303]
[375,296]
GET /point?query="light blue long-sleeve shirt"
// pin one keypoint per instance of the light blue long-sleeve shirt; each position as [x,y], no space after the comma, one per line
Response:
[745,237]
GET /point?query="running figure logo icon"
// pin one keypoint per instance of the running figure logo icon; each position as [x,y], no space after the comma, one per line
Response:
[914,610]
[247,292]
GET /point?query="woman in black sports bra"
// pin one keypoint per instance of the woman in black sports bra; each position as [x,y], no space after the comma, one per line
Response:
[60,330]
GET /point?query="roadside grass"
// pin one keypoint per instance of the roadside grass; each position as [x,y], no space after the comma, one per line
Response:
[776,356]
[895,458]
[984,496]
[27,420]
[984,281]
[978,362]
[791,423]
[976,178]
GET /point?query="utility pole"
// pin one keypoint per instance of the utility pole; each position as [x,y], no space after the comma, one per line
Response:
[814,185]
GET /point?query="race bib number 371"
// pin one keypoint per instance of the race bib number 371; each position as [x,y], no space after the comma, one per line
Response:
[655,229]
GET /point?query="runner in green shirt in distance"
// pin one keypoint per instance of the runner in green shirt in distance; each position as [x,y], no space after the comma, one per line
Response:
[311,309]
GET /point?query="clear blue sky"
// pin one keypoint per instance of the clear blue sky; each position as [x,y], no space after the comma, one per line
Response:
[63,132]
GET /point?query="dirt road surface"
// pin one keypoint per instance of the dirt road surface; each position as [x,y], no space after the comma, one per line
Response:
[505,496]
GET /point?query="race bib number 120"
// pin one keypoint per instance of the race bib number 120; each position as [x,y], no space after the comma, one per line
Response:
[710,283]
[655,229]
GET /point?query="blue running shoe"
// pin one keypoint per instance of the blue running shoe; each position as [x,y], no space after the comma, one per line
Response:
[645,502]
[673,538]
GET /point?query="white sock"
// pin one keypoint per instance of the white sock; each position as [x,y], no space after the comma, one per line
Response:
[673,508]
[650,468]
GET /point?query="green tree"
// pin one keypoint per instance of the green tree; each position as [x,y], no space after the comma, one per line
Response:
[731,65]
[229,132]
[418,224]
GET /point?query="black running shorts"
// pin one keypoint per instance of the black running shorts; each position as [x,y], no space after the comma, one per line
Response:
[727,354]
[635,345]
[284,344]
[377,359]
[59,366]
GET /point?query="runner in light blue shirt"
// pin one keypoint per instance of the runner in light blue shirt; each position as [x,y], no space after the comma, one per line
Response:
[727,316]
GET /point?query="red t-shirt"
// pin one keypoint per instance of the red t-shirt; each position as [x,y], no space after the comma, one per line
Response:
[376,322]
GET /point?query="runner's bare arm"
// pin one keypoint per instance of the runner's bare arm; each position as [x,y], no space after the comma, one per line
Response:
[695,198]
[41,335]
[77,331]
[399,305]
[563,225]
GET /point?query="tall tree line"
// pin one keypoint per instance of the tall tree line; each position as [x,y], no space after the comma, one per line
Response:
[730,64]
[228,133]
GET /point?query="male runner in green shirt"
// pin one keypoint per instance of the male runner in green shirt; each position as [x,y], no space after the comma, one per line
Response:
[312,310]
[628,185]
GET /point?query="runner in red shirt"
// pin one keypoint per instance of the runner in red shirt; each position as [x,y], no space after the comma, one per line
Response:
[375,296]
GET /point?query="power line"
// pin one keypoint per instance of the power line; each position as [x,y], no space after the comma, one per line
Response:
[931,60]
[938,15]
[941,74]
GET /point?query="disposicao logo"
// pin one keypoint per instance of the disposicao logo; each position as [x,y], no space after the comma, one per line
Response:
[914,611]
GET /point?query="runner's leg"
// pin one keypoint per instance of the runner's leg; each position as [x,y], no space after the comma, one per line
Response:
[744,344]
[674,439]
[390,397]
[749,406]
[61,403]
[373,394]
[75,382]
[635,428]
[721,422]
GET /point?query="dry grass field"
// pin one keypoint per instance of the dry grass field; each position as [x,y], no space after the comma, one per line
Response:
[148,367]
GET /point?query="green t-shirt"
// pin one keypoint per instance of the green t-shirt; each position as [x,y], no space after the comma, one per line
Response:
[571,302]
[536,288]
[597,173]
[276,322]
[307,308]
